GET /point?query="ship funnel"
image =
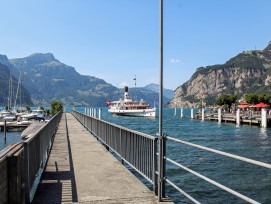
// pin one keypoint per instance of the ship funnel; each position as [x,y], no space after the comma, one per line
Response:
[126,95]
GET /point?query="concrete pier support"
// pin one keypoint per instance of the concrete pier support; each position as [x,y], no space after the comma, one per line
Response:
[238,116]
[86,111]
[181,112]
[192,113]
[219,115]
[175,112]
[202,114]
[264,118]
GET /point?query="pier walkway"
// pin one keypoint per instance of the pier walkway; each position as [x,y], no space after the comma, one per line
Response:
[81,170]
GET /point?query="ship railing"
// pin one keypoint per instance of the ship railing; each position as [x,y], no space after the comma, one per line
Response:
[136,149]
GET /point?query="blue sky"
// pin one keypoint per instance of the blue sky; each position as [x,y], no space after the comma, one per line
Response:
[118,39]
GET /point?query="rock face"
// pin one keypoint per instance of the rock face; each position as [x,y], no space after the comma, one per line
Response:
[246,73]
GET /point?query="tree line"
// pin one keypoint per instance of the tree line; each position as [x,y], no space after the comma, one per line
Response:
[250,98]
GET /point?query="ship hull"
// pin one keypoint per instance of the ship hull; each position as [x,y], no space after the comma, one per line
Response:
[135,113]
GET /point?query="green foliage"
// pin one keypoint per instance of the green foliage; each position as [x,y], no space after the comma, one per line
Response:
[227,100]
[251,98]
[56,106]
[27,107]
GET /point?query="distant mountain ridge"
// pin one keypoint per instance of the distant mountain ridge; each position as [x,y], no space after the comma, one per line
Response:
[168,93]
[48,79]
[248,72]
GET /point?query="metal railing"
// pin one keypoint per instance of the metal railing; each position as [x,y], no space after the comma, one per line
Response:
[36,151]
[137,149]
[232,156]
[140,151]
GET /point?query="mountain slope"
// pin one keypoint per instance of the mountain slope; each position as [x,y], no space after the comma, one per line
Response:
[23,96]
[168,93]
[247,72]
[48,79]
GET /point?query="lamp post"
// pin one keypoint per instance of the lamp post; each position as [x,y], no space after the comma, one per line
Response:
[162,138]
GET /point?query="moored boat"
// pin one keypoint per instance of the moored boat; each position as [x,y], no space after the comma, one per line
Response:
[128,107]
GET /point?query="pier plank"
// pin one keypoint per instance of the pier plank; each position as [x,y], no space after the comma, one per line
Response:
[81,170]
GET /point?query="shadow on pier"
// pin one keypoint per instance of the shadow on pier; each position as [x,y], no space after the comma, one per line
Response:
[58,178]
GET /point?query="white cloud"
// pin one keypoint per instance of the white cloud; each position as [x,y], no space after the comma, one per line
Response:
[174,61]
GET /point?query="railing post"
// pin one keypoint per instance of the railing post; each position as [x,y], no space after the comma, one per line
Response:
[26,173]
[155,168]
[162,167]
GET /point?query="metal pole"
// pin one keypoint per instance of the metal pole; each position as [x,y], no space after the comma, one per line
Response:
[161,183]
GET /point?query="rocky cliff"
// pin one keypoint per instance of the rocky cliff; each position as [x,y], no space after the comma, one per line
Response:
[247,72]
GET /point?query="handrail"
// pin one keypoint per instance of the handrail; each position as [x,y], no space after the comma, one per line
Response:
[36,150]
[97,126]
[9,148]
[214,183]
[136,149]
[251,161]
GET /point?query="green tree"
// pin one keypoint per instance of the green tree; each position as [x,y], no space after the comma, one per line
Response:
[56,106]
[251,98]
[227,100]
[27,107]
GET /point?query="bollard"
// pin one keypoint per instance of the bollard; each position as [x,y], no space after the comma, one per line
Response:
[219,115]
[238,116]
[192,113]
[100,113]
[94,112]
[264,118]
[202,114]
[181,112]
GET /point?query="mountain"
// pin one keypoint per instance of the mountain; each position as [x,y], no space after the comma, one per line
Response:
[47,79]
[248,72]
[23,96]
[168,93]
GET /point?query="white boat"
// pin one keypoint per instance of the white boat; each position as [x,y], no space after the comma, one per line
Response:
[128,107]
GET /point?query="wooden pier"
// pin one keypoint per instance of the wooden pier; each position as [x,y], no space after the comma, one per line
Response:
[81,170]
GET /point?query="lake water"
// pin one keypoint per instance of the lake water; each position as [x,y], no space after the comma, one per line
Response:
[248,141]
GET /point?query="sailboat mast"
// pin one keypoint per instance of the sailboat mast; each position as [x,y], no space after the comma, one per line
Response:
[10,90]
[18,87]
